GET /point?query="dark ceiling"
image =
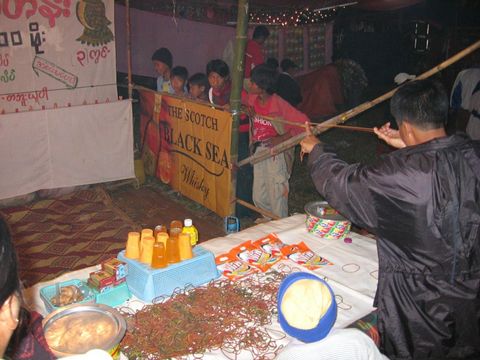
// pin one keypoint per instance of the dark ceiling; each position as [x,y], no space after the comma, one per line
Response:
[262,11]
[379,5]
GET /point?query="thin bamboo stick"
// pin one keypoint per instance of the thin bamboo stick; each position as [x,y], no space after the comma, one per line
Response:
[204,103]
[294,140]
[319,125]
[257,209]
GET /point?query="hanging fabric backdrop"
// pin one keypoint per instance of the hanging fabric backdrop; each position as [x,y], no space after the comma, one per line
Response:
[56,54]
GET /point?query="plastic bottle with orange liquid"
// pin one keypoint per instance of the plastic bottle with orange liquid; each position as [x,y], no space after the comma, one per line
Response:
[159,259]
[172,251]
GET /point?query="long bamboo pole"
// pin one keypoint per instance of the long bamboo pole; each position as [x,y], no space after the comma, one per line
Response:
[294,140]
[129,50]
[237,85]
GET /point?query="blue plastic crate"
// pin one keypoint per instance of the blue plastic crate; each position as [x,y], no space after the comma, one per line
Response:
[147,283]
[47,292]
[114,296]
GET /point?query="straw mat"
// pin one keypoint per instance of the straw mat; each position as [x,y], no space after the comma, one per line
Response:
[77,230]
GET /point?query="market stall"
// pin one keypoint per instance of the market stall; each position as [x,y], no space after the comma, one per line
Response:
[351,269]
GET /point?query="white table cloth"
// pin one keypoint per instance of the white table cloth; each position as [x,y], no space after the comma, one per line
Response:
[353,275]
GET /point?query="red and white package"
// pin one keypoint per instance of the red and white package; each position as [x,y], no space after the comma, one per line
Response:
[255,256]
[232,267]
[271,244]
[301,254]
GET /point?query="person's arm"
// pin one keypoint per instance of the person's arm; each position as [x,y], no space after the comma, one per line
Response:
[345,187]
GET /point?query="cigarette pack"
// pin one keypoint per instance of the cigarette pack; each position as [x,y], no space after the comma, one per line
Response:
[116,267]
[101,279]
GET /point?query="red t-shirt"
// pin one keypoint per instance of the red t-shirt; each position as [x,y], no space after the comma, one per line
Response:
[253,56]
[275,107]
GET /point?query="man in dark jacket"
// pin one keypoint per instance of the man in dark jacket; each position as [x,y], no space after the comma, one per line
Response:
[287,88]
[423,203]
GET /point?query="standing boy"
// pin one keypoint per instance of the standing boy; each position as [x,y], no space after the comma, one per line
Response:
[270,177]
[254,51]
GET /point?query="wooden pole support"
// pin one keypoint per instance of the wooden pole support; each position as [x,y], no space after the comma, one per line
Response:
[257,209]
[129,50]
[237,85]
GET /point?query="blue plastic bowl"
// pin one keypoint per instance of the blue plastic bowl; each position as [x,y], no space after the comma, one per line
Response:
[324,325]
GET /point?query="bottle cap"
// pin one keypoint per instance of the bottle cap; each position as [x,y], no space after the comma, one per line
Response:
[188,222]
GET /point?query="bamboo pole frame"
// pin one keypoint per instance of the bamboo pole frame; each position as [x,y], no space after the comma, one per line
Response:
[129,49]
[341,118]
[237,85]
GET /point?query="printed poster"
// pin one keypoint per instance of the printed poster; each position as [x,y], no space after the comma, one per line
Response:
[187,145]
[56,53]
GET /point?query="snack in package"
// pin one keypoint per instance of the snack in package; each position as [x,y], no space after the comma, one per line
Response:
[255,256]
[301,254]
[233,268]
[115,267]
[271,244]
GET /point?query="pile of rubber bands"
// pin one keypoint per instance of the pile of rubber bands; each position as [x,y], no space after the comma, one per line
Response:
[228,316]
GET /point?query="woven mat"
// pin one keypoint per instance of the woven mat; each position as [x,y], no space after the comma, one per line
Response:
[54,236]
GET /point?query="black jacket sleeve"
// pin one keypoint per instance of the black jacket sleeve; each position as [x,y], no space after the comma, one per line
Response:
[344,186]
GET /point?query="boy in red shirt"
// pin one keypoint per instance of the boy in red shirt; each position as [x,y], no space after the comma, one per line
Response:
[254,50]
[270,177]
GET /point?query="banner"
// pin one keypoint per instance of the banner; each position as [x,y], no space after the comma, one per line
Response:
[65,147]
[56,54]
[187,145]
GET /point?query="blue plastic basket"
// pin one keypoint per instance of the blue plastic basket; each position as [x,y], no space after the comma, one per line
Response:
[114,296]
[147,283]
[48,292]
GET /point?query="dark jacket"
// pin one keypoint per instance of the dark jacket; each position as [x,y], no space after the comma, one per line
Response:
[423,203]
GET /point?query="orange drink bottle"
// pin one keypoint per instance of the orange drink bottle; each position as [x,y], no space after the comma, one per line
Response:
[176,224]
[172,250]
[159,260]
[184,246]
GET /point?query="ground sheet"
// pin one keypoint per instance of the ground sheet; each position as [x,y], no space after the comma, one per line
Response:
[74,231]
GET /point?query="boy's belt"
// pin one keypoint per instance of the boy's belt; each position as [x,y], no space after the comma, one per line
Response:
[260,143]
[244,127]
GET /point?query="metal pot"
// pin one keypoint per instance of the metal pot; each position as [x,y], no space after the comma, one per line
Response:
[78,328]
